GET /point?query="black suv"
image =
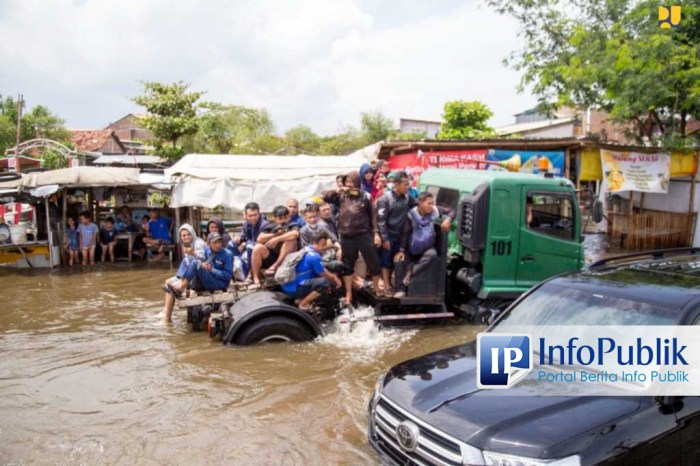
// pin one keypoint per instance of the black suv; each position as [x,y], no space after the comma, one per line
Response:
[429,410]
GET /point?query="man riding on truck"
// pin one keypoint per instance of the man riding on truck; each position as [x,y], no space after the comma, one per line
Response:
[312,279]
[417,242]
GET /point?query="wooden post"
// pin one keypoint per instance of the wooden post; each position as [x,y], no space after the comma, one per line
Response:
[631,207]
[641,203]
[64,220]
[177,223]
[195,225]
[49,236]
[567,167]
[691,204]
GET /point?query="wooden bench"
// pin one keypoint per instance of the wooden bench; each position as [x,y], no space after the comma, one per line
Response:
[167,249]
[207,297]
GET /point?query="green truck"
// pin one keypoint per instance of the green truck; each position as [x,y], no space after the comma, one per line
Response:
[512,231]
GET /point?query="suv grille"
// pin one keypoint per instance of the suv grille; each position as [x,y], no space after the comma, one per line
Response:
[434,447]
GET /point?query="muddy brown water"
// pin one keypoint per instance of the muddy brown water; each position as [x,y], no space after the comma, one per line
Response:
[90,375]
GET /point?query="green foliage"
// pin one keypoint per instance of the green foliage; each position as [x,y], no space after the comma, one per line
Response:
[612,55]
[302,140]
[375,126]
[266,144]
[229,129]
[40,122]
[412,136]
[169,152]
[158,199]
[349,140]
[172,111]
[465,120]
[52,160]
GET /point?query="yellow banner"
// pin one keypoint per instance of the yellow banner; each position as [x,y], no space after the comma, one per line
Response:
[682,164]
[591,168]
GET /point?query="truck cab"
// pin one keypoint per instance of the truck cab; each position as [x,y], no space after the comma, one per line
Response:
[512,231]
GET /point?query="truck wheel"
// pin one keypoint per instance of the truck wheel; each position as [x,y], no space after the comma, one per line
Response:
[274,329]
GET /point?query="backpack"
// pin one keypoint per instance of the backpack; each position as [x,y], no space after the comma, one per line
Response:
[423,235]
[287,271]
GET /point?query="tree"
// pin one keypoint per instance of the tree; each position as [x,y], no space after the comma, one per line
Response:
[612,55]
[465,120]
[349,140]
[375,126]
[52,160]
[40,122]
[229,129]
[301,139]
[172,111]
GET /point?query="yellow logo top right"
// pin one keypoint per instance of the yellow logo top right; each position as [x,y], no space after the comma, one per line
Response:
[669,16]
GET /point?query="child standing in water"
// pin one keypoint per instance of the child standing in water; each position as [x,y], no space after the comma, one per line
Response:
[88,237]
[108,238]
[72,241]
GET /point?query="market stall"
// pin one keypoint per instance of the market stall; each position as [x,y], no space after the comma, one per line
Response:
[97,190]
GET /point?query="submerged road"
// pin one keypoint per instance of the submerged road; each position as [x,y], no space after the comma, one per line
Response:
[90,375]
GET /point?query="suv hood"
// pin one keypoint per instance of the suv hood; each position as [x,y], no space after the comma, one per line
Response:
[440,389]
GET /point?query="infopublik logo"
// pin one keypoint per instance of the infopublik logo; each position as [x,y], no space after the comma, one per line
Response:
[502,359]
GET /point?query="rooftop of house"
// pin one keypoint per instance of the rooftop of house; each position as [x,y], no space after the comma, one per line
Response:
[92,140]
[533,125]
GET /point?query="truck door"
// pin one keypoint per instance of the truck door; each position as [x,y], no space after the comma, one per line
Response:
[549,236]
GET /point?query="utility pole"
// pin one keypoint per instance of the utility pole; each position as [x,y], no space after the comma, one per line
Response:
[20,106]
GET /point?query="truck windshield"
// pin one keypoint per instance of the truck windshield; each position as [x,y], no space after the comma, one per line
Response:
[556,305]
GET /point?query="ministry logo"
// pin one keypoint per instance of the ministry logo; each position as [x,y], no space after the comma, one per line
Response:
[502,359]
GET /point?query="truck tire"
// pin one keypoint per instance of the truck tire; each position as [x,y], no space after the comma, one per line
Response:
[274,329]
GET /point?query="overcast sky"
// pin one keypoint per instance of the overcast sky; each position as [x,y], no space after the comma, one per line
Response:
[317,62]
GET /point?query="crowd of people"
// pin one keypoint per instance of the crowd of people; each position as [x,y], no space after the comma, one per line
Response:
[83,237]
[372,213]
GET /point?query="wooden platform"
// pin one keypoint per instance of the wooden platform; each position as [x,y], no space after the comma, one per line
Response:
[205,297]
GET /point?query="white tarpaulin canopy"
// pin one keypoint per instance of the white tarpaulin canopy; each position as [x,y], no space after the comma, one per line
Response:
[234,180]
[263,167]
[83,176]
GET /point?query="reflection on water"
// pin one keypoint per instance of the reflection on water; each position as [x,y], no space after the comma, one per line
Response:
[91,375]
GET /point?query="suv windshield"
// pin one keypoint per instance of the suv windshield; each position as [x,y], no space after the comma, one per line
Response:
[556,305]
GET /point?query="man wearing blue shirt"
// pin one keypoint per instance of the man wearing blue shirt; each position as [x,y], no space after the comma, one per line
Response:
[312,278]
[294,217]
[158,233]
[212,274]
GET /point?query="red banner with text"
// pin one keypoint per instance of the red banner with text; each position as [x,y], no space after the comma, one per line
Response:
[416,162]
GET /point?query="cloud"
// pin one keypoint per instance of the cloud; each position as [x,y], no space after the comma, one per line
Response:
[309,62]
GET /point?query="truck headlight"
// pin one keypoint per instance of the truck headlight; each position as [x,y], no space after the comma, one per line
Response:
[500,459]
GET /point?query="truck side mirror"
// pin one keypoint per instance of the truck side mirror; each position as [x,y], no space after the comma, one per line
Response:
[472,218]
[597,211]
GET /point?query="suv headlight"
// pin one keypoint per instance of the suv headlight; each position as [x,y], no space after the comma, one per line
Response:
[377,391]
[500,459]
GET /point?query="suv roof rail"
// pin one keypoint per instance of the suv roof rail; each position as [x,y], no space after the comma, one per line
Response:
[634,257]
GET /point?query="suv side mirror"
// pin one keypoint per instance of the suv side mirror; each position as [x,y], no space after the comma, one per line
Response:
[669,404]
[597,211]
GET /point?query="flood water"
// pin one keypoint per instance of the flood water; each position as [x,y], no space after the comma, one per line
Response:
[90,375]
